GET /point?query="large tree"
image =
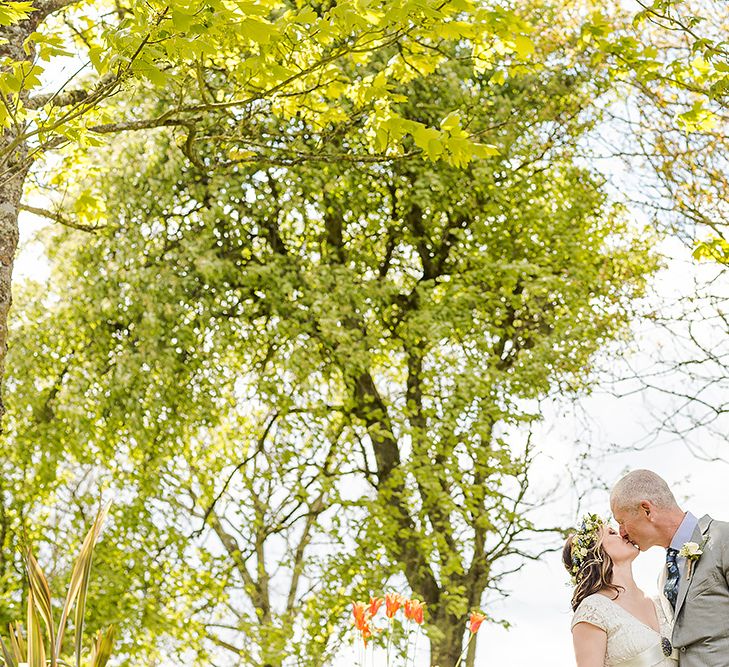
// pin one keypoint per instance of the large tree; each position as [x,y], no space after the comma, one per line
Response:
[305,378]
[232,61]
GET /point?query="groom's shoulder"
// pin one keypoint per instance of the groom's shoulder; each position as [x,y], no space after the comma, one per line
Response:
[717,527]
[714,524]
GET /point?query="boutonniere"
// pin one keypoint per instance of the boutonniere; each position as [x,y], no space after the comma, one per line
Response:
[691,552]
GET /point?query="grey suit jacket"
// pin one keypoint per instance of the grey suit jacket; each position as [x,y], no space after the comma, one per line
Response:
[701,619]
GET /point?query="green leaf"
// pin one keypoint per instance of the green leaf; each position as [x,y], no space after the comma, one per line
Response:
[20,649]
[423,135]
[451,121]
[99,59]
[42,597]
[457,30]
[48,46]
[306,16]
[257,30]
[181,20]
[156,75]
[484,150]
[10,661]
[524,46]
[36,647]
[713,249]
[103,645]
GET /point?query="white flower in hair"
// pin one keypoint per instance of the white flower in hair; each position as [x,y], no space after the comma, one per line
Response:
[584,543]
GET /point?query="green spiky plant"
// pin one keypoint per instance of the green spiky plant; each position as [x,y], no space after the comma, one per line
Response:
[43,642]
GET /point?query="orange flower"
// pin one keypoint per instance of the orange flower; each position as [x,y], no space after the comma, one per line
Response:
[475,621]
[393,601]
[359,611]
[414,610]
[375,604]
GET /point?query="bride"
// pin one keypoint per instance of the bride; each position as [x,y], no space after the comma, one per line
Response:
[615,624]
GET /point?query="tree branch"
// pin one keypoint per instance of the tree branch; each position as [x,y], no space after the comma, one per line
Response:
[57,217]
[70,97]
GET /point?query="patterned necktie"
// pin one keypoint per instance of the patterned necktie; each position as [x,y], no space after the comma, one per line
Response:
[670,588]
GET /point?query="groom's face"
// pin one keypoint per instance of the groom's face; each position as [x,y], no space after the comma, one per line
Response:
[636,526]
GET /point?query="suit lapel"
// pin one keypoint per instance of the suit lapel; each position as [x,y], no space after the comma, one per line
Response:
[699,537]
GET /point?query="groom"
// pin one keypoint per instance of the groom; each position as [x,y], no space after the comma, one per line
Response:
[695,588]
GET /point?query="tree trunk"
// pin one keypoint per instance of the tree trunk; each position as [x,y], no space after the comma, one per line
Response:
[13,171]
[471,655]
[10,193]
[447,646]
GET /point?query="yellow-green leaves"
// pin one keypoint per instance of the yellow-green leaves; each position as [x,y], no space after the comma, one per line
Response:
[502,37]
[182,20]
[12,12]
[16,78]
[451,122]
[450,143]
[19,76]
[673,52]
[484,150]
[456,30]
[713,249]
[697,119]
[326,67]
[47,46]
[458,145]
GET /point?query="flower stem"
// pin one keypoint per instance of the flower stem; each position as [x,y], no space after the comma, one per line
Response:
[389,640]
[464,651]
[407,644]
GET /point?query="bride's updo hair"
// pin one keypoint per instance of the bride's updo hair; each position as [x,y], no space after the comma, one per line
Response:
[588,563]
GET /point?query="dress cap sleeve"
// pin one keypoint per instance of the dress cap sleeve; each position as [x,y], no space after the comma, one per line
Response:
[592,611]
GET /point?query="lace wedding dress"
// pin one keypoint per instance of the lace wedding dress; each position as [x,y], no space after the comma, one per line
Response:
[630,643]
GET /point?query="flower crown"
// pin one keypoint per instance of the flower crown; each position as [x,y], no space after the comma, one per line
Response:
[584,540]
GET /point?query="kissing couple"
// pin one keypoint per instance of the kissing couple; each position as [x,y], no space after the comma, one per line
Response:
[615,624]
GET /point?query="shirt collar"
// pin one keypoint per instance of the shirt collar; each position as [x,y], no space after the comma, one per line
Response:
[685,531]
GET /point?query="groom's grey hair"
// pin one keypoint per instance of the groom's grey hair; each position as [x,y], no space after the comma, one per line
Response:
[640,485]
